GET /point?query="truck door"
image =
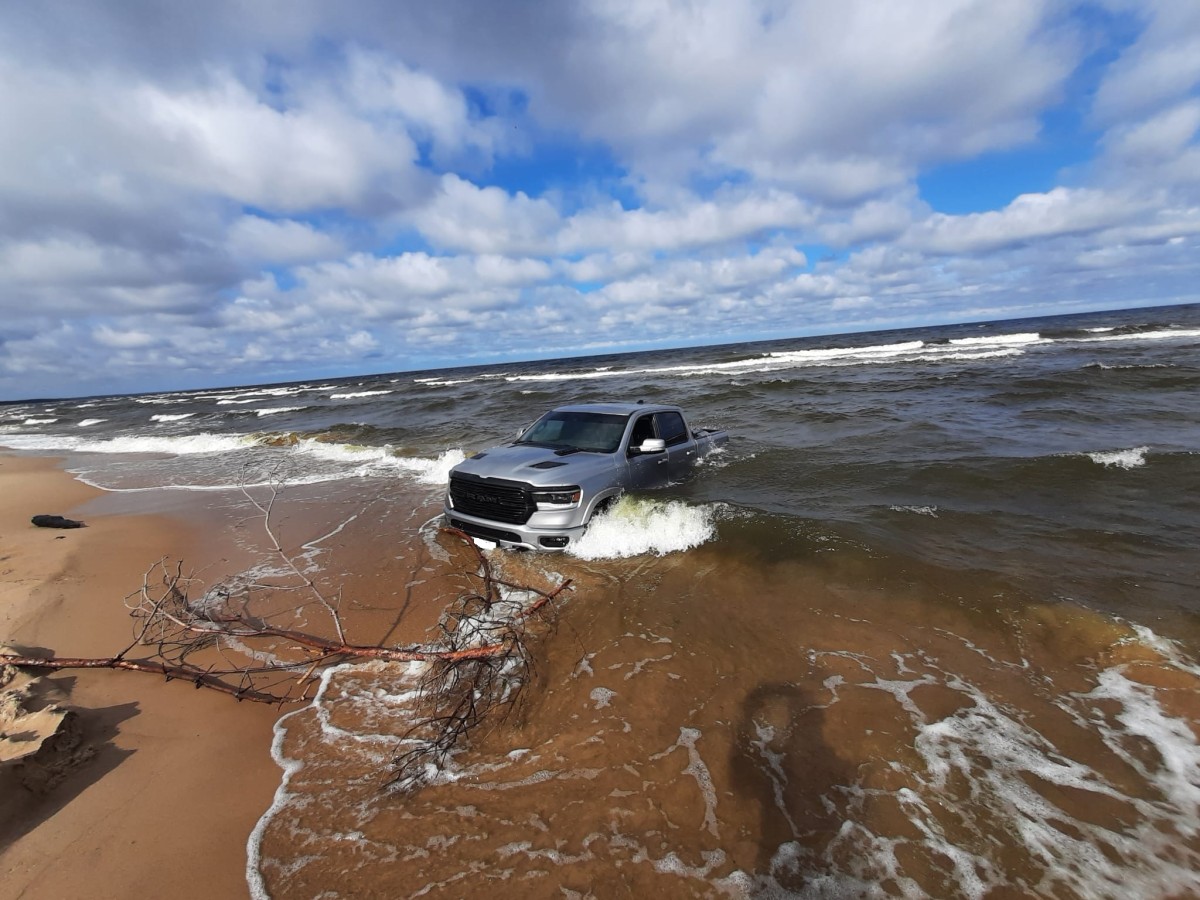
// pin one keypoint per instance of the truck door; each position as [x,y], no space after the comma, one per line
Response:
[646,470]
[681,448]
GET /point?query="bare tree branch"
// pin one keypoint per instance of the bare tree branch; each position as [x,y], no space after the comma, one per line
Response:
[476,668]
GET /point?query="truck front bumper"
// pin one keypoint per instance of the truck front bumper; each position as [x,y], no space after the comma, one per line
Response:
[529,536]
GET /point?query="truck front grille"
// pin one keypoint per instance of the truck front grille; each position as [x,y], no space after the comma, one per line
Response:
[494,499]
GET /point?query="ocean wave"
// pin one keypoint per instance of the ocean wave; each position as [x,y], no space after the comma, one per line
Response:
[1001,340]
[356,394]
[381,460]
[177,445]
[262,392]
[275,410]
[39,421]
[1104,367]
[635,526]
[1165,334]
[967,355]
[171,417]
[1120,459]
[86,422]
[931,511]
[994,347]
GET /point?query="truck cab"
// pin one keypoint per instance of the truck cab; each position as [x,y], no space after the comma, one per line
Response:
[541,490]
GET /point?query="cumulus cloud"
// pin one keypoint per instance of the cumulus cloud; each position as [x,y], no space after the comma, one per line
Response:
[1160,66]
[1030,217]
[269,241]
[246,192]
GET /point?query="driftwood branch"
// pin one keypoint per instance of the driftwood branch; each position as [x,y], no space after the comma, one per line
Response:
[460,691]
[176,629]
[476,665]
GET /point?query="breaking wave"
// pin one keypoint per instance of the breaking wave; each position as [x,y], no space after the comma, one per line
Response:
[1121,459]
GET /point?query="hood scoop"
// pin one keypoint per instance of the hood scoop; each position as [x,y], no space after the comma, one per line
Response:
[547,464]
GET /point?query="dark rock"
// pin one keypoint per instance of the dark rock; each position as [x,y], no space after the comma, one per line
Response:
[55,522]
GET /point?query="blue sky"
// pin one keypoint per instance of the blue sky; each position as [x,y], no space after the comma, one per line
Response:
[227,193]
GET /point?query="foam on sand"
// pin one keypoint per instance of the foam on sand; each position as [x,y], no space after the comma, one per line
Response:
[634,526]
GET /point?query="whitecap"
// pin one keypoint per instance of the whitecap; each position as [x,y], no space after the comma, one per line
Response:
[1000,340]
[357,394]
[1121,459]
[274,410]
[931,511]
[1165,334]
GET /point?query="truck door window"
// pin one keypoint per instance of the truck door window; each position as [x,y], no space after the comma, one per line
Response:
[643,428]
[671,427]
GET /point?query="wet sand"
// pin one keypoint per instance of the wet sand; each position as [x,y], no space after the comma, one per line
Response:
[179,776]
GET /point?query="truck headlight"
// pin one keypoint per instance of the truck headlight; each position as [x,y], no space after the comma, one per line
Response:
[562,498]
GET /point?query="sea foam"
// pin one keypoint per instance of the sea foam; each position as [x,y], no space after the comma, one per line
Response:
[635,526]
[179,445]
[381,460]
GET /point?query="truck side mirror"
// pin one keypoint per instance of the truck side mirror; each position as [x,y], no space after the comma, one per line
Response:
[652,445]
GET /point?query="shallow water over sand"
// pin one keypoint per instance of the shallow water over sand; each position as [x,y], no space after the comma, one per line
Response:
[835,724]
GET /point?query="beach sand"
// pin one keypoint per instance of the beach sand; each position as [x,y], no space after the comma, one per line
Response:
[178,777]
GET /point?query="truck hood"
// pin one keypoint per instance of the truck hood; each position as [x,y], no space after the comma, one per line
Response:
[535,465]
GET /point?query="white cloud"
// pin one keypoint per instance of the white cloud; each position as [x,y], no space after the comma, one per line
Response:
[699,223]
[241,191]
[384,87]
[463,216]
[124,340]
[221,139]
[1161,66]
[1030,217]
[1160,137]
[269,241]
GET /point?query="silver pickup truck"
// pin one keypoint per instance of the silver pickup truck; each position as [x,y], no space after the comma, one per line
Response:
[540,491]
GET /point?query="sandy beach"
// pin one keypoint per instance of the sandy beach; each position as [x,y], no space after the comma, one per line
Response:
[178,777]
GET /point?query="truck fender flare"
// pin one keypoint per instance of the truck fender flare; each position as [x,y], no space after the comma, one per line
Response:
[603,502]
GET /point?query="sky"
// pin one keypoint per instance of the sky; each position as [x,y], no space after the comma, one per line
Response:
[231,192]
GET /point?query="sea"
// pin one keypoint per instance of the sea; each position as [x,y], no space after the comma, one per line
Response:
[927,626]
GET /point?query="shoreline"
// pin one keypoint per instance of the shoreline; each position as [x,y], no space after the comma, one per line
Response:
[179,777]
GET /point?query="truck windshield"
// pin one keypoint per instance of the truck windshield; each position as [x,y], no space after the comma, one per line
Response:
[589,431]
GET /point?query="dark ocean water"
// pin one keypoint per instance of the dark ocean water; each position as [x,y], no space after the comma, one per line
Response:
[929,626]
